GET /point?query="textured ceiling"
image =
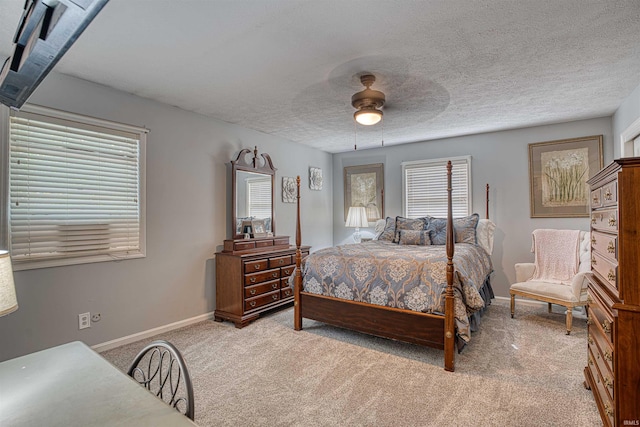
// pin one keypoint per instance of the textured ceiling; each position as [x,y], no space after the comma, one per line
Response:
[288,68]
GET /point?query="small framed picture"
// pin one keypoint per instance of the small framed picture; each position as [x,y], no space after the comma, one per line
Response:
[315,178]
[259,229]
[289,189]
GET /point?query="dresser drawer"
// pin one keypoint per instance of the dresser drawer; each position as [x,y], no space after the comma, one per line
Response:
[600,319]
[601,390]
[280,261]
[609,193]
[596,199]
[258,265]
[264,243]
[286,292]
[596,360]
[255,278]
[605,244]
[602,351]
[259,301]
[287,271]
[255,290]
[605,219]
[605,268]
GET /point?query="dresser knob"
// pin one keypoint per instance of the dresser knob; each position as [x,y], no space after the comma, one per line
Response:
[589,321]
[608,382]
[274,286]
[593,261]
[252,280]
[608,355]
[611,276]
[595,199]
[257,266]
[589,299]
[252,303]
[591,361]
[607,194]
[593,220]
[252,292]
[274,297]
[606,326]
[590,340]
[281,261]
[611,247]
[612,222]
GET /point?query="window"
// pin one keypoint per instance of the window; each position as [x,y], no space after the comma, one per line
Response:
[259,197]
[424,184]
[76,189]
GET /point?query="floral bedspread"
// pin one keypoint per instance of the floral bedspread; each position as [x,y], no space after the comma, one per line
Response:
[408,277]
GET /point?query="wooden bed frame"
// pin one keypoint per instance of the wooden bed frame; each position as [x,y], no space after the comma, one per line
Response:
[404,325]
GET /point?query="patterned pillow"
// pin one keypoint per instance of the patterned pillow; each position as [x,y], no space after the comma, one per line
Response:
[408,224]
[389,230]
[414,237]
[464,229]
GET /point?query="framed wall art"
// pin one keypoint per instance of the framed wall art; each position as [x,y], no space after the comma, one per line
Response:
[364,186]
[315,178]
[288,189]
[558,174]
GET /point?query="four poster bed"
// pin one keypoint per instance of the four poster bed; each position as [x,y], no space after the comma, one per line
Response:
[404,288]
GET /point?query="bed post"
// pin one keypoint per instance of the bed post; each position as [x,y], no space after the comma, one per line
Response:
[449,317]
[297,280]
[487,214]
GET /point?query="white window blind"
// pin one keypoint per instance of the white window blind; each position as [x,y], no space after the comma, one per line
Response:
[259,197]
[425,187]
[75,190]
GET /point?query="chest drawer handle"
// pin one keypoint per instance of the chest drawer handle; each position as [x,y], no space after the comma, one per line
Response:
[589,299]
[606,326]
[611,248]
[252,292]
[608,382]
[608,410]
[607,194]
[252,303]
[612,222]
[608,355]
[595,199]
[281,261]
[590,340]
[274,297]
[593,261]
[593,220]
[252,280]
[274,286]
[591,361]
[611,276]
[593,240]
[257,266]
[589,321]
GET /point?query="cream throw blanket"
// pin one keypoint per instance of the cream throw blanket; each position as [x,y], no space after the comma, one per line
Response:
[556,255]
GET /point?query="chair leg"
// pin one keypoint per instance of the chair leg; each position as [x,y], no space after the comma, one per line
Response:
[513,304]
[549,307]
[569,319]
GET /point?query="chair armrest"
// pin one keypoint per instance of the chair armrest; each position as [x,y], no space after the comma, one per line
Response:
[524,271]
[579,285]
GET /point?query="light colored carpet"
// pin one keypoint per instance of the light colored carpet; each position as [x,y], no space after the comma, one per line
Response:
[515,372]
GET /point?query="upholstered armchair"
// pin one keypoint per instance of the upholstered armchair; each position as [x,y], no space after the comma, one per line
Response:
[569,294]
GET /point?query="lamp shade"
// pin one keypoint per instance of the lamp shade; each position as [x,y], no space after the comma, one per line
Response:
[357,217]
[8,300]
[368,116]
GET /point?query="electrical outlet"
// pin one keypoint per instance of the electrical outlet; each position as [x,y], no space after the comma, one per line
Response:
[84,320]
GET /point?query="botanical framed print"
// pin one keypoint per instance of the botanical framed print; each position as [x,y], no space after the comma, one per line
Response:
[288,189]
[364,186]
[558,174]
[315,178]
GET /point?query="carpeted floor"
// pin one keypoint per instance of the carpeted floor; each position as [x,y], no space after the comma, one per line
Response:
[515,372]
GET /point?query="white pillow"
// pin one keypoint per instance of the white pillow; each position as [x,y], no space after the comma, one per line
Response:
[379,228]
[484,234]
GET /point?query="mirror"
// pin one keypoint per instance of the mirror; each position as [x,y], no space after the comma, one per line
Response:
[253,179]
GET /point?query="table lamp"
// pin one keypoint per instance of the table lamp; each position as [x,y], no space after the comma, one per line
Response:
[8,300]
[357,217]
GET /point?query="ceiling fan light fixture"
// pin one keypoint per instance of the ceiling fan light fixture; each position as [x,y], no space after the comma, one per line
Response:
[368,116]
[367,102]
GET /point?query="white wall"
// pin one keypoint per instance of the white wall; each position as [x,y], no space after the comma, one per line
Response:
[627,114]
[187,219]
[498,158]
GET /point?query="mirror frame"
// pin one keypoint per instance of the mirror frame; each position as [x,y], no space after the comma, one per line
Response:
[261,165]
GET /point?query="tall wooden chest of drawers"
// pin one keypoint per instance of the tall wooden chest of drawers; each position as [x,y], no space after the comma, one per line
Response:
[613,367]
[250,282]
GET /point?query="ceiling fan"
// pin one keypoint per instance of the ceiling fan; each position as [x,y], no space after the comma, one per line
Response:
[368,102]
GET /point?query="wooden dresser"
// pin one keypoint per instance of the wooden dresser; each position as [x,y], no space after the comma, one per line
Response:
[613,368]
[252,277]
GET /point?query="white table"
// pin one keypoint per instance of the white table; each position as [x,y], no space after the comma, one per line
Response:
[72,385]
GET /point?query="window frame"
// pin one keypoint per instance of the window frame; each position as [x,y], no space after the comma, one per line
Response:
[5,182]
[441,162]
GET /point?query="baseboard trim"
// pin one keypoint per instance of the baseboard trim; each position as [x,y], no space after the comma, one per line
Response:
[150,332]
